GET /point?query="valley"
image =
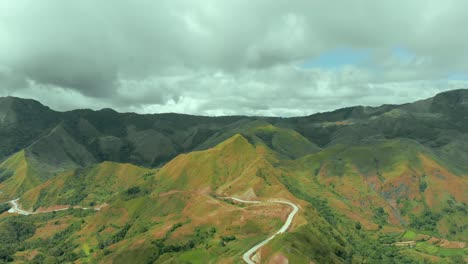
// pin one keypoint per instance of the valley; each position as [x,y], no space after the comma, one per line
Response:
[381,184]
[233,131]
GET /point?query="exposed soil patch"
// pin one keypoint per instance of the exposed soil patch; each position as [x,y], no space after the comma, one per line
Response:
[444,243]
[279,259]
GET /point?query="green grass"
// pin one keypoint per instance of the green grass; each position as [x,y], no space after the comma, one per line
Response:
[450,252]
[427,248]
[408,235]
[328,235]
[86,249]
[197,256]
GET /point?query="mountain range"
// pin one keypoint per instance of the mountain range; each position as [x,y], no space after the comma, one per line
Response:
[383,184]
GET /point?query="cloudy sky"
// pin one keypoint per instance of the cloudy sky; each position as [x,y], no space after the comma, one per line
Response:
[223,57]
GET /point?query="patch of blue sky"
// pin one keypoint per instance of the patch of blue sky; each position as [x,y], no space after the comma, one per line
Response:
[458,77]
[403,54]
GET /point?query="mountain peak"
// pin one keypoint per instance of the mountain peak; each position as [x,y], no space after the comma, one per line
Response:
[13,109]
[450,102]
[462,91]
[235,144]
[453,96]
[11,101]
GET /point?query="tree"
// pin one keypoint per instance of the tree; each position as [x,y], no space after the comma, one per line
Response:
[422,186]
[358,226]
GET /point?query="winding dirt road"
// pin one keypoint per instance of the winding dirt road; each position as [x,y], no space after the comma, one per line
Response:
[248,255]
[15,208]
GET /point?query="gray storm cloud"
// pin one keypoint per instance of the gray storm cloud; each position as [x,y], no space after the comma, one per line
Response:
[227,57]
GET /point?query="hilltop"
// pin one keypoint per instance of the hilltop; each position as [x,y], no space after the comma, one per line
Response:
[365,178]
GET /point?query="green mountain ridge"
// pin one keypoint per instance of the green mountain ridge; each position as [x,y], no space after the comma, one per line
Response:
[365,178]
[123,137]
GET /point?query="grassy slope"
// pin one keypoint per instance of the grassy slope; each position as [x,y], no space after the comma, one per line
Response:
[94,185]
[336,188]
[286,142]
[396,175]
[17,176]
[401,178]
[210,168]
[176,194]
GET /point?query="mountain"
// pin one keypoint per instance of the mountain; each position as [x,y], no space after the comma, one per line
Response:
[156,188]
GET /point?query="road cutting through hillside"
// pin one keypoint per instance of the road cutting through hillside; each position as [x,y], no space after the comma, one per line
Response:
[247,255]
[16,209]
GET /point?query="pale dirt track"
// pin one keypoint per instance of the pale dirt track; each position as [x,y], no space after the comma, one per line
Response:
[248,255]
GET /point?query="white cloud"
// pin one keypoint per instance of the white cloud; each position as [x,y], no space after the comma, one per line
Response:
[227,57]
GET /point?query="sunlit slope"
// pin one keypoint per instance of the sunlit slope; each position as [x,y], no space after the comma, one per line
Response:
[174,214]
[364,178]
[183,193]
[188,223]
[380,184]
[234,167]
[17,175]
[399,176]
[145,211]
[53,153]
[210,168]
[91,186]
